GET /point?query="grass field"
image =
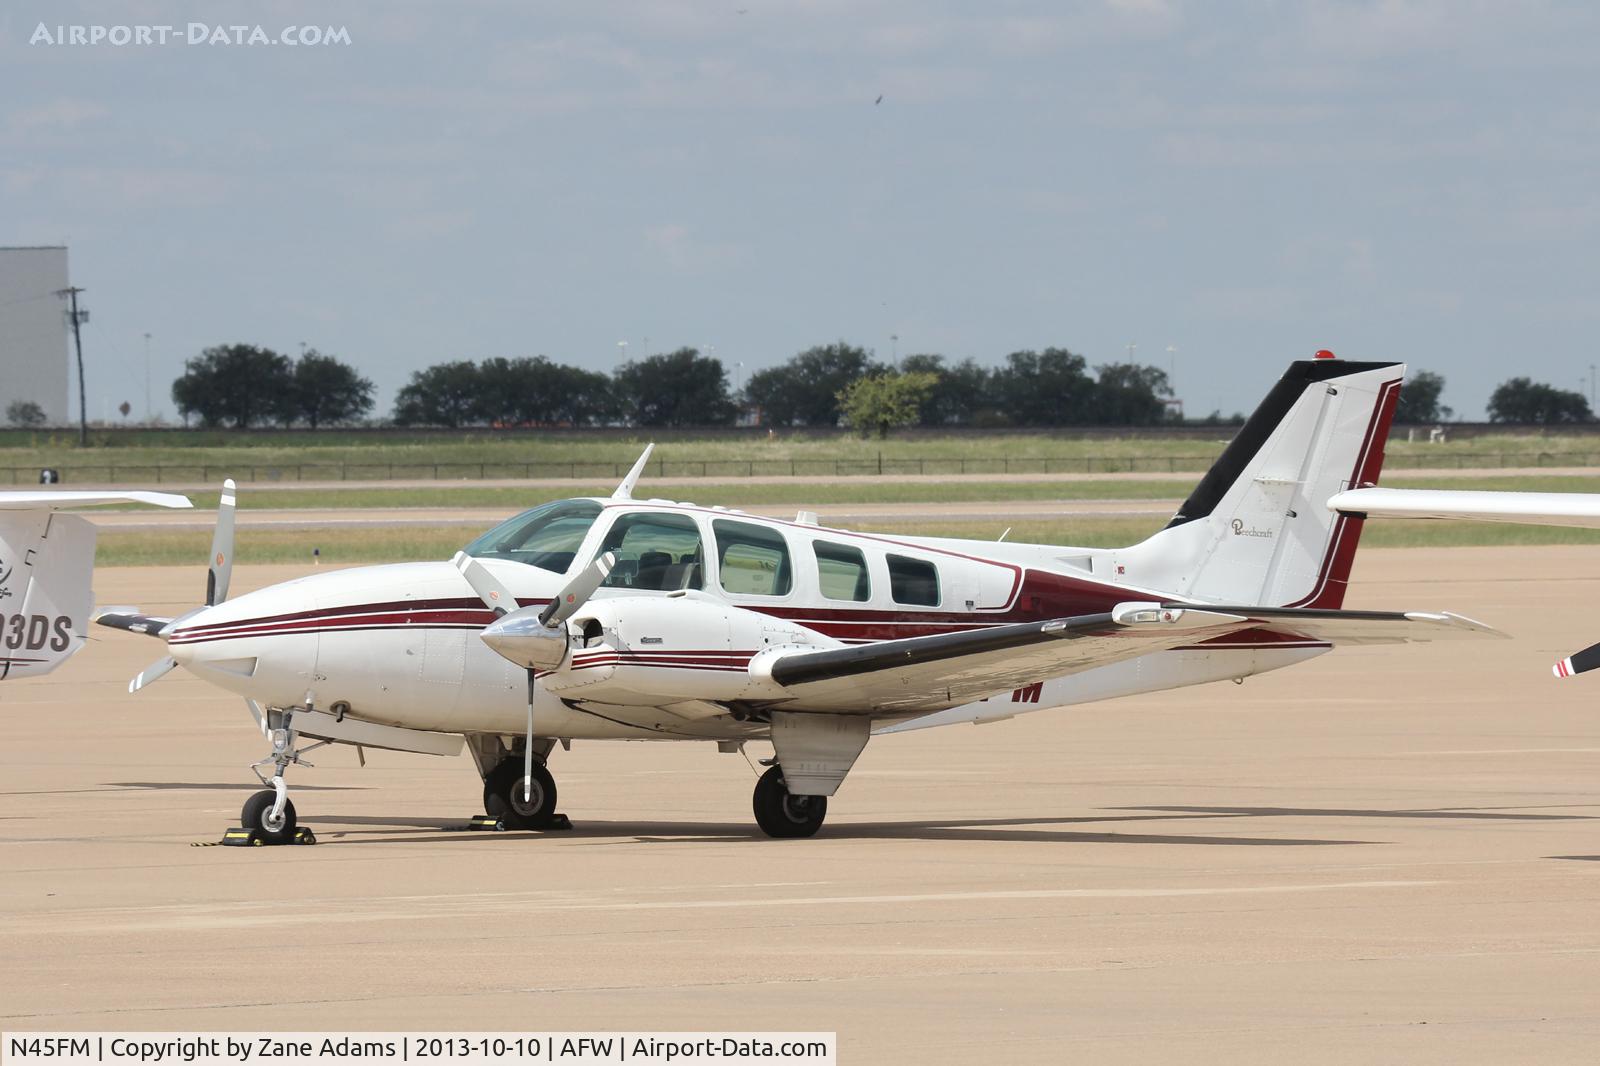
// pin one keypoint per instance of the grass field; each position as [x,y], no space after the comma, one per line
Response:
[737,494]
[374,545]
[208,456]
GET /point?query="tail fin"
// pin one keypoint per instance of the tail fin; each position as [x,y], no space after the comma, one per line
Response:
[1257,530]
[45,564]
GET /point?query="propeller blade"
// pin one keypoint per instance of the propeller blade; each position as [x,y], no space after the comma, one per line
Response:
[152,673]
[1578,662]
[221,568]
[494,595]
[578,591]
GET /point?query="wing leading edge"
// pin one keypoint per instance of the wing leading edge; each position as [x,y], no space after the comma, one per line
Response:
[924,674]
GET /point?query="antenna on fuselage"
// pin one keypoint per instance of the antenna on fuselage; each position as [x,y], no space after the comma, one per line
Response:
[625,490]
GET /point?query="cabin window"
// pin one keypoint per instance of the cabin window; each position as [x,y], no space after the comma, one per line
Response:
[547,537]
[913,581]
[842,572]
[752,560]
[656,551]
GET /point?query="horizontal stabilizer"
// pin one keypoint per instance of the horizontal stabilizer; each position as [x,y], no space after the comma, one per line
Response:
[129,618]
[33,500]
[1580,509]
[1364,627]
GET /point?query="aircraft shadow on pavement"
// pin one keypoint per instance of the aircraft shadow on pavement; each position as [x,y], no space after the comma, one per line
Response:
[595,832]
[1490,814]
[244,789]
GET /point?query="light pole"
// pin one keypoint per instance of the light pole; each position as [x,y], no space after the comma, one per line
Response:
[1131,347]
[1172,356]
[622,351]
[1591,387]
[894,349]
[149,415]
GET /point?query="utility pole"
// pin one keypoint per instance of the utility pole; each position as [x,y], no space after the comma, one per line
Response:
[78,318]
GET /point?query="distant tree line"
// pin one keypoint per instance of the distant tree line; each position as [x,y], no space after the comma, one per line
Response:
[825,386]
[819,387]
[241,385]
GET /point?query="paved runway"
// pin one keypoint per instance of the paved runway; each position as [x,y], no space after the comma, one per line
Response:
[1389,854]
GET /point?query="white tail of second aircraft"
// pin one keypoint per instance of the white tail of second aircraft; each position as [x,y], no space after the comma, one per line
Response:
[46,566]
[1257,529]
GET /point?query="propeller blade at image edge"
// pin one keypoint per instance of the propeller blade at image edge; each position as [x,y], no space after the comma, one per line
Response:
[1578,662]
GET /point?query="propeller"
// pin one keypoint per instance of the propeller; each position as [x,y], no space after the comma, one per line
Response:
[1578,662]
[221,566]
[533,638]
[219,572]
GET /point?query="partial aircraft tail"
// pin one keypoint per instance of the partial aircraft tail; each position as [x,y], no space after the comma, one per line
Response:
[1257,529]
[46,560]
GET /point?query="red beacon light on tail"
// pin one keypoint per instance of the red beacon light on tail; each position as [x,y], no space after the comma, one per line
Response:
[1323,353]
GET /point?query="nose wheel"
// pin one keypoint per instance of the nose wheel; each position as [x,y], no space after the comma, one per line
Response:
[270,825]
[780,813]
[520,802]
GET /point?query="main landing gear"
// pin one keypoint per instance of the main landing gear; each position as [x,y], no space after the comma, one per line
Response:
[518,802]
[780,813]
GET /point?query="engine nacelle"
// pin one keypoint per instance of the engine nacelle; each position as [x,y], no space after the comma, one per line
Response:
[657,650]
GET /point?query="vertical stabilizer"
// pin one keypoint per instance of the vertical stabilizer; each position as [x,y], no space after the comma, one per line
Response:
[1257,529]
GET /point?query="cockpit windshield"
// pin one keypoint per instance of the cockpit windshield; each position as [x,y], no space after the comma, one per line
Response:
[547,537]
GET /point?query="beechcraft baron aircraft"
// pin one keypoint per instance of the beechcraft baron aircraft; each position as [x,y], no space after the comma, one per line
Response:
[46,561]
[624,619]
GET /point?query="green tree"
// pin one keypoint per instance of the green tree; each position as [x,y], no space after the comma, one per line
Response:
[1525,400]
[1048,388]
[448,394]
[681,388]
[961,390]
[1128,394]
[25,413]
[325,391]
[1419,399]
[885,400]
[234,384]
[540,392]
[805,390]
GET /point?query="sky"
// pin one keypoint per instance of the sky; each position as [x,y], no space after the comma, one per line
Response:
[1243,182]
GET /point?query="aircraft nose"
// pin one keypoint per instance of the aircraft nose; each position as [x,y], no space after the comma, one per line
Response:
[213,643]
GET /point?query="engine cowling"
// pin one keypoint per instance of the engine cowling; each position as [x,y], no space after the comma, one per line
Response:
[654,650]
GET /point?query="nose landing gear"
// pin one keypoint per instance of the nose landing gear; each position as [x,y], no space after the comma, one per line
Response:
[269,815]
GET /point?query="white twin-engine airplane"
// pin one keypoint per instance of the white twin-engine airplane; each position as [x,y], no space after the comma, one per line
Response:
[46,564]
[623,619]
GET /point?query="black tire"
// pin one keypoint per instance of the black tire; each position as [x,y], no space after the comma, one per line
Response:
[784,815]
[256,811]
[502,795]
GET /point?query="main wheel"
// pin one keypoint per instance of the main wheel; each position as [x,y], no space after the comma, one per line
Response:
[503,795]
[257,815]
[780,813]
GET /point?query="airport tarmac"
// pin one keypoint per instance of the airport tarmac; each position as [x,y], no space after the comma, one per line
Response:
[1388,854]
